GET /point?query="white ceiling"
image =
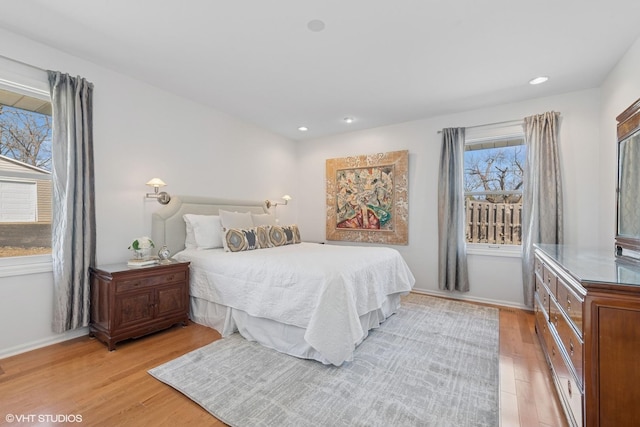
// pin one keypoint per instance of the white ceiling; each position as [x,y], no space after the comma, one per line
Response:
[379,61]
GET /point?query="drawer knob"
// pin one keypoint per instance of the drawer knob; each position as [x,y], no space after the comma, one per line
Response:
[568,304]
[571,347]
[555,319]
[170,278]
[569,388]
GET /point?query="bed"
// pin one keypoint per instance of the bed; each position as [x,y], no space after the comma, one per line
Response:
[308,300]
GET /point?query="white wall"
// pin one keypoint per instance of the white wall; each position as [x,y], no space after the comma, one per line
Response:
[493,279]
[142,132]
[210,153]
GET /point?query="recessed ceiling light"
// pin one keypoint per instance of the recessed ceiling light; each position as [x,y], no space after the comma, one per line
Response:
[538,80]
[315,25]
[303,128]
[348,119]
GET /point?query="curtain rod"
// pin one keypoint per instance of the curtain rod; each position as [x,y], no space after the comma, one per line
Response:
[511,122]
[23,63]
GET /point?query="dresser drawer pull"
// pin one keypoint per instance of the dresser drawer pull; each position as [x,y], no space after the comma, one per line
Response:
[553,351]
[569,388]
[170,278]
[568,304]
[555,320]
[571,347]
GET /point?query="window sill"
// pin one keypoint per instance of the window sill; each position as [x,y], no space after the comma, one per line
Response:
[509,251]
[20,266]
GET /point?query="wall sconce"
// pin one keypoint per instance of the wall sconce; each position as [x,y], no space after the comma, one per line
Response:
[161,196]
[286,199]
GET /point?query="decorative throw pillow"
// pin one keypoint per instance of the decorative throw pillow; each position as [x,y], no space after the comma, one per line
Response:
[242,239]
[263,236]
[263,219]
[235,219]
[276,236]
[292,234]
[205,230]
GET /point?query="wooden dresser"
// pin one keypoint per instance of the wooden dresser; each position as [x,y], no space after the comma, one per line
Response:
[587,308]
[131,302]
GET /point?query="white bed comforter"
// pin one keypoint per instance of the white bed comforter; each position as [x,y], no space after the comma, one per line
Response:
[322,288]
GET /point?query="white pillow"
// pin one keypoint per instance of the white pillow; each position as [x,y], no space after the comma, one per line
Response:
[263,219]
[207,230]
[190,240]
[235,219]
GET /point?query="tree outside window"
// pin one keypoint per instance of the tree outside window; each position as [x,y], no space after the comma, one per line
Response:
[25,175]
[493,174]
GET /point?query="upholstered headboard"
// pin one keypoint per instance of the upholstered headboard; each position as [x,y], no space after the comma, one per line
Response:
[168,226]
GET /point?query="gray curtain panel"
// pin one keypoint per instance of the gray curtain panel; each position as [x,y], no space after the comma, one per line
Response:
[542,192]
[452,248]
[73,227]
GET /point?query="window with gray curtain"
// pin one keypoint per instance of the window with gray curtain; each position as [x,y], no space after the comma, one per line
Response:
[73,226]
[542,207]
[452,256]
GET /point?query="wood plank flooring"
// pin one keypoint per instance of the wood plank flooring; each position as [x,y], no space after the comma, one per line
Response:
[81,378]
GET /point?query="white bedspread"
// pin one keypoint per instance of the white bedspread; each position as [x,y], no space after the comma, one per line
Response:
[323,288]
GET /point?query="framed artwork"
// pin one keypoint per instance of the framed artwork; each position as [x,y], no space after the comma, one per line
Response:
[367,198]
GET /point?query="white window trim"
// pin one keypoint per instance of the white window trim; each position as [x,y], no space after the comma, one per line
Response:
[31,81]
[509,251]
[481,134]
[23,265]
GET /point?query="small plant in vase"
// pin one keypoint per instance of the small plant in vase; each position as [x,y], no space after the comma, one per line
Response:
[141,247]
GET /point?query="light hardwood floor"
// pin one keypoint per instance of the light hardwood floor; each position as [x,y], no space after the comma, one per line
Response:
[80,377]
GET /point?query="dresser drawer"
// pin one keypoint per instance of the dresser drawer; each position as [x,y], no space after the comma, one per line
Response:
[542,326]
[572,345]
[570,393]
[149,281]
[550,279]
[543,295]
[539,268]
[571,303]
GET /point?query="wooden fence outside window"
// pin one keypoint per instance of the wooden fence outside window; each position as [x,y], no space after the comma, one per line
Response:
[493,223]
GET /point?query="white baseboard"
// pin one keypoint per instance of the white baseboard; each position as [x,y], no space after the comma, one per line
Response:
[23,348]
[462,297]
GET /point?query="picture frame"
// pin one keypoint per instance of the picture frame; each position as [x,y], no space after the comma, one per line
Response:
[368,198]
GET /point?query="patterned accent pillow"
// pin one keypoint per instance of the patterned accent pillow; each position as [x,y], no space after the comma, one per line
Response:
[263,236]
[276,236]
[241,239]
[292,234]
[283,235]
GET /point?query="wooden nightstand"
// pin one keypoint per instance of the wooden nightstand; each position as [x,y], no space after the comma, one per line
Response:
[130,302]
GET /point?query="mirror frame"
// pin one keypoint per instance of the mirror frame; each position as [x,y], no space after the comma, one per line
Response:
[628,124]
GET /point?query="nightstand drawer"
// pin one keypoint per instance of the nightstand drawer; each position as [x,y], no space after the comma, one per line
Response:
[147,281]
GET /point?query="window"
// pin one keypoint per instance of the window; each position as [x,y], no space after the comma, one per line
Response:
[25,170]
[493,174]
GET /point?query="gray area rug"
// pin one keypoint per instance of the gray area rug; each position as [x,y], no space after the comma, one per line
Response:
[434,363]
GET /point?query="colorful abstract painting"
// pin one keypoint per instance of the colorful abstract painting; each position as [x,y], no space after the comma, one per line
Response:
[367,198]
